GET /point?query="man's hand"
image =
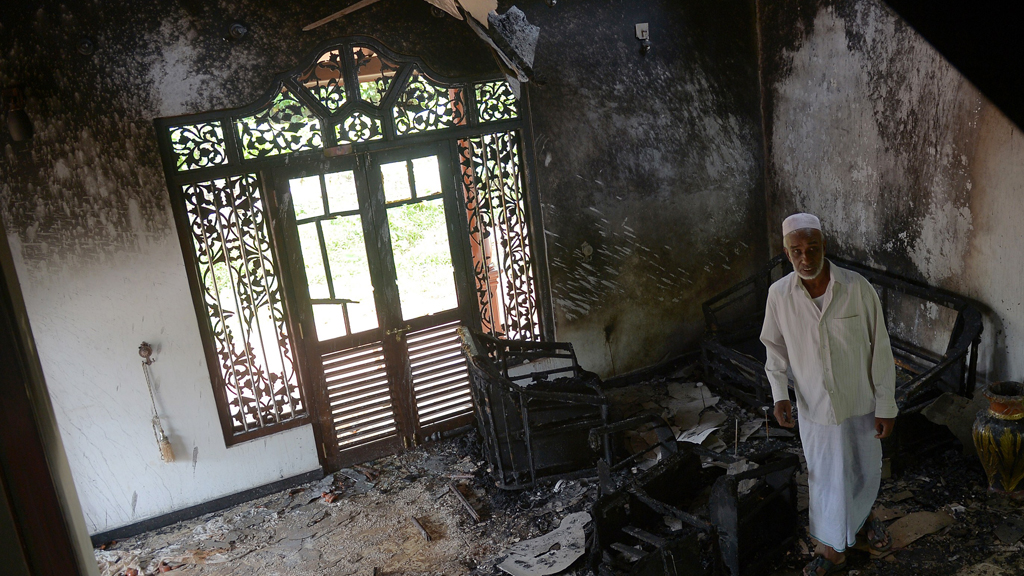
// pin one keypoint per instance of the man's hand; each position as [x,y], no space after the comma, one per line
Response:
[883,426]
[784,414]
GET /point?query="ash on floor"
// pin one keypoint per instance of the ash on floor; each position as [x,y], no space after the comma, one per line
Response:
[367,528]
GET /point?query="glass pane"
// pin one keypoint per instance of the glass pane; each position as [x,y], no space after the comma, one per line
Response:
[427,176]
[309,241]
[423,260]
[374,74]
[341,192]
[329,320]
[306,199]
[396,181]
[351,270]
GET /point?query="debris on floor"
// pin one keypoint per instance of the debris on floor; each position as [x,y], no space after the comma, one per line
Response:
[551,553]
[958,414]
[407,514]
[910,528]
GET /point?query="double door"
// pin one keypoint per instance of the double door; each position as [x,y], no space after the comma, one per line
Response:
[376,266]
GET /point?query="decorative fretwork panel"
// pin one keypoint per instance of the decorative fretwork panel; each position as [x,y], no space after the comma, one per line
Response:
[240,288]
[495,101]
[425,105]
[198,145]
[499,236]
[359,127]
[283,127]
[375,74]
[325,79]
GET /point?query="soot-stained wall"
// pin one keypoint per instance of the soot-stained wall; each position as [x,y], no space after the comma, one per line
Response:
[87,211]
[909,166]
[654,162]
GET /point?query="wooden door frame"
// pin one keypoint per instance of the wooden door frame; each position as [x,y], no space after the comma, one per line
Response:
[43,519]
[310,351]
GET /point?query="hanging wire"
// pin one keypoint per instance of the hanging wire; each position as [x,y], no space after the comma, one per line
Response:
[162,442]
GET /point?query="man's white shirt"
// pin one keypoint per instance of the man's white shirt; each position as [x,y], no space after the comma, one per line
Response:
[840,355]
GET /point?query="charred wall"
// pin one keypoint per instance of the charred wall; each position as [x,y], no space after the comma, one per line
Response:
[649,168]
[654,161]
[910,167]
[87,211]
[90,184]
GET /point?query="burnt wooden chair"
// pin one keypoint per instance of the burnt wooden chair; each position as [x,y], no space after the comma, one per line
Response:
[722,529]
[542,416]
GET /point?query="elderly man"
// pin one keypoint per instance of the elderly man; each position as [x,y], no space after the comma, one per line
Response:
[825,325]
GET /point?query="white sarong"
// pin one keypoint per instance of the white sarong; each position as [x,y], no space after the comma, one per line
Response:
[844,471]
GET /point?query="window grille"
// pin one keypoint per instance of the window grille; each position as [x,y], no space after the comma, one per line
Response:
[243,302]
[499,236]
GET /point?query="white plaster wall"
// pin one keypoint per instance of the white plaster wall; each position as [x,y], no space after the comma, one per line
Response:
[909,166]
[88,323]
[994,272]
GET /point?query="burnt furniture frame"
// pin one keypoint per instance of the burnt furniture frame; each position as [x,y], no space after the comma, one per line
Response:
[547,423]
[733,356]
[724,530]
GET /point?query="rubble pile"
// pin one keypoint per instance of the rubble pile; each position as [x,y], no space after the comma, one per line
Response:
[437,510]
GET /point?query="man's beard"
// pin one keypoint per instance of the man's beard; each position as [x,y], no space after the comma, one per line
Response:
[815,273]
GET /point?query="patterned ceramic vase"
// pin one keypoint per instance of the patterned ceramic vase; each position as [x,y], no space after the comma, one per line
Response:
[999,437]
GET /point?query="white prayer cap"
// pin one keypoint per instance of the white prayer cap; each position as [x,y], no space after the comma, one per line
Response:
[800,221]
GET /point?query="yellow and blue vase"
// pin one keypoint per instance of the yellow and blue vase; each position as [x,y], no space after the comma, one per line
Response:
[999,437]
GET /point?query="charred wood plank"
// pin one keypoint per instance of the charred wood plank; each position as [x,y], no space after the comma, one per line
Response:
[631,552]
[465,503]
[644,535]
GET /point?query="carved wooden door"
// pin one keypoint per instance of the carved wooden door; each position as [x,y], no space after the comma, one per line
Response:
[376,266]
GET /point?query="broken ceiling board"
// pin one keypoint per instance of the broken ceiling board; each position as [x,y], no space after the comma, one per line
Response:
[885,514]
[686,402]
[1010,530]
[479,9]
[344,11]
[550,553]
[748,428]
[520,35]
[446,5]
[513,41]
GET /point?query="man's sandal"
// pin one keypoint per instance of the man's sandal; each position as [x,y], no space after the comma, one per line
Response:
[877,534]
[825,564]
